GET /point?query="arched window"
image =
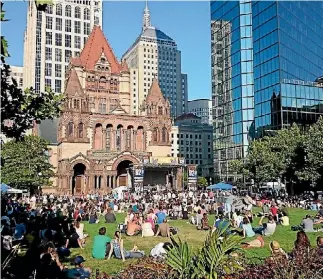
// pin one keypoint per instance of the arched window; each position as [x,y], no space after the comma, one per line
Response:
[155,135]
[77,13]
[86,14]
[118,137]
[70,128]
[80,130]
[59,9]
[160,110]
[164,135]
[76,104]
[68,11]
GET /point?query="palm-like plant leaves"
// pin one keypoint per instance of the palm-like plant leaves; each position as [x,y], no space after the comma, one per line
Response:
[213,261]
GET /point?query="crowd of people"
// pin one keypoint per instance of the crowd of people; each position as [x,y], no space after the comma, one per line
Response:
[49,226]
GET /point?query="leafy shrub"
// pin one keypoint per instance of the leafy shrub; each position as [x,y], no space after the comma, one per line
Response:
[145,268]
[302,264]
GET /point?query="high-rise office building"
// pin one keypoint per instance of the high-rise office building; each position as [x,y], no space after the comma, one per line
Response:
[266,57]
[154,54]
[53,37]
[201,108]
[17,73]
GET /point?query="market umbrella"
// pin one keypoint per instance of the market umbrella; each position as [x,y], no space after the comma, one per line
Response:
[220,186]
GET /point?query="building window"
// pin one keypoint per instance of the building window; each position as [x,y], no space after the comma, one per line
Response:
[68,54]
[48,69]
[77,12]
[58,85]
[48,82]
[160,110]
[80,130]
[58,70]
[86,14]
[59,9]
[68,11]
[49,38]
[77,27]
[49,9]
[58,55]
[48,53]
[77,42]
[87,28]
[164,135]
[59,24]
[58,39]
[49,22]
[68,25]
[70,128]
[68,40]
[155,135]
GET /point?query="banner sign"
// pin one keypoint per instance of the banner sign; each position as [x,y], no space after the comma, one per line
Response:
[191,174]
[181,161]
[138,173]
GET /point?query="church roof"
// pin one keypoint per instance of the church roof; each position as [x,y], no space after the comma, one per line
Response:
[155,94]
[94,47]
[73,84]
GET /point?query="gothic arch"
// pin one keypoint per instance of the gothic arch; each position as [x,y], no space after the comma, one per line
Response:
[80,161]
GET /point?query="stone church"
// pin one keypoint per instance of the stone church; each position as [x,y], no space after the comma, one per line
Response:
[98,140]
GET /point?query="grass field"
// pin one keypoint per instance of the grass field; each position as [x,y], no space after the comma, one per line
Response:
[187,232]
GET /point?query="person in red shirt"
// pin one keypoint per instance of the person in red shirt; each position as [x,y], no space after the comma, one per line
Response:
[274,211]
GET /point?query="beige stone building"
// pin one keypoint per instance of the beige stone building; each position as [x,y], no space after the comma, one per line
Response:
[99,142]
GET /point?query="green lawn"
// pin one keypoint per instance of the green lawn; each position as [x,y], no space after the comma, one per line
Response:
[187,232]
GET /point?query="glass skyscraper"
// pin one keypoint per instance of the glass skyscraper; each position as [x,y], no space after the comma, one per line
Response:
[266,59]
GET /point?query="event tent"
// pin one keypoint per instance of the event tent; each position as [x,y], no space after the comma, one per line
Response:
[220,186]
[14,191]
[4,188]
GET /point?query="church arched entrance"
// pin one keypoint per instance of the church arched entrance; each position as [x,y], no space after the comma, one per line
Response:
[123,173]
[78,180]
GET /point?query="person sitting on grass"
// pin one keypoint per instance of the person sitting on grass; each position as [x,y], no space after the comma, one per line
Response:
[221,223]
[120,252]
[161,216]
[284,220]
[266,229]
[101,244]
[79,227]
[319,242]
[132,228]
[164,230]
[110,216]
[74,240]
[146,228]
[302,242]
[204,223]
[247,228]
[277,253]
[79,271]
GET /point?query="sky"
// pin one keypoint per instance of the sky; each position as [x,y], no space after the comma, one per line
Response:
[187,22]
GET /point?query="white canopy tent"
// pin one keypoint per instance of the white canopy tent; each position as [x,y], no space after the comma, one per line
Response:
[14,191]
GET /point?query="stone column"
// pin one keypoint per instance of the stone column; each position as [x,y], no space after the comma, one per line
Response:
[144,141]
[104,139]
[134,140]
[117,181]
[123,139]
[113,139]
[104,181]
[111,181]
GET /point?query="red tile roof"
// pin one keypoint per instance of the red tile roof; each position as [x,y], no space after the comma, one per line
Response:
[91,53]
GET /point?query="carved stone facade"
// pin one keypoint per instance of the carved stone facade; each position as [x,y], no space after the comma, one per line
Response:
[97,137]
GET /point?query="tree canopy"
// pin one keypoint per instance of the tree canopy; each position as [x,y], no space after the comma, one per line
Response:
[291,155]
[21,109]
[25,163]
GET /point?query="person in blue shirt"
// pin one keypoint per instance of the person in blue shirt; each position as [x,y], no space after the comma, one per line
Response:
[161,216]
[20,229]
[221,224]
[79,271]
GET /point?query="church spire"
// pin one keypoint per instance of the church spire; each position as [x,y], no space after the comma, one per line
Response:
[146,18]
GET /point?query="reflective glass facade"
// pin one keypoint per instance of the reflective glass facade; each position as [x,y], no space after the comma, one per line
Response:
[260,52]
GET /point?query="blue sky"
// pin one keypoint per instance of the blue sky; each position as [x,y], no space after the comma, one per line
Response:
[188,23]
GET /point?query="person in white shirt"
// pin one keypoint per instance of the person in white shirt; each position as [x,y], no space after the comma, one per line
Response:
[160,250]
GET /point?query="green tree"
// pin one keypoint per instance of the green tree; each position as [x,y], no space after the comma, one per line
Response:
[202,181]
[313,145]
[21,109]
[25,163]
